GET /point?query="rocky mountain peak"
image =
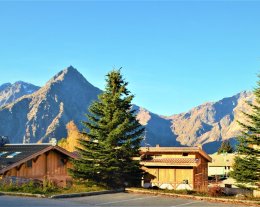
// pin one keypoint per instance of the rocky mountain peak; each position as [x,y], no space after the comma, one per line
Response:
[65,72]
[45,113]
[21,83]
[70,77]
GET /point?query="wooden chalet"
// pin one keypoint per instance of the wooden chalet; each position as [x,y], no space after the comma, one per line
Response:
[175,167]
[36,161]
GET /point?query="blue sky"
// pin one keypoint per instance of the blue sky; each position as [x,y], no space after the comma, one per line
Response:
[175,55]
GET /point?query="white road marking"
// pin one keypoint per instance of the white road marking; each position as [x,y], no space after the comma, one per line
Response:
[133,199]
[184,204]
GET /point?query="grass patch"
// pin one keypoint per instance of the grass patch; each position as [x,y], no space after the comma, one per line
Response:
[48,189]
[30,187]
[79,187]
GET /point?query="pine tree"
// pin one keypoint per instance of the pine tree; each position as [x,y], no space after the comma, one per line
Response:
[246,168]
[225,147]
[114,137]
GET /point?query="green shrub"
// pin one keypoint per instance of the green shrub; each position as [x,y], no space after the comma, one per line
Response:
[29,187]
[48,188]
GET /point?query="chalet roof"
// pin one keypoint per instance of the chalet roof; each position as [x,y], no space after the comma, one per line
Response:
[171,162]
[173,150]
[12,155]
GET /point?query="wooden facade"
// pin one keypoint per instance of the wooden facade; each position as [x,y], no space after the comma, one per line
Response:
[50,163]
[175,167]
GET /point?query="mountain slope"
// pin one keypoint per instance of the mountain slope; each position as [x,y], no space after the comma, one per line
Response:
[11,92]
[208,124]
[158,129]
[45,113]
[211,122]
[4,86]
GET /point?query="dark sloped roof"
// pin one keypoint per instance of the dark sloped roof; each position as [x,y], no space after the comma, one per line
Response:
[26,151]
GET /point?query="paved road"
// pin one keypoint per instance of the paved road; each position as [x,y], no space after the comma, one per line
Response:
[117,199]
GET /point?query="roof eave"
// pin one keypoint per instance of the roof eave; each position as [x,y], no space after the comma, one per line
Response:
[144,150]
[145,164]
[69,154]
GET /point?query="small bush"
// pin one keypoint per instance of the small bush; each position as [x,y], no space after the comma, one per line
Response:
[29,187]
[216,191]
[48,187]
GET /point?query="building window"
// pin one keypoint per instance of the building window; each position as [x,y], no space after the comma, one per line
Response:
[29,164]
[13,155]
[185,154]
[62,162]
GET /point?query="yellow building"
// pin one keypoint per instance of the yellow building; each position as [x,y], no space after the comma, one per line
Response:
[175,167]
[221,164]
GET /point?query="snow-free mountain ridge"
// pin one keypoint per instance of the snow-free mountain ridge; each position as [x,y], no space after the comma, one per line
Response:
[44,113]
[11,92]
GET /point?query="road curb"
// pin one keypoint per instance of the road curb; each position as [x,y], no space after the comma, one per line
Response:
[223,200]
[73,195]
[23,194]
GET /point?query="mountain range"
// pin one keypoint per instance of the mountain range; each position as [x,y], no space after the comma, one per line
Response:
[31,114]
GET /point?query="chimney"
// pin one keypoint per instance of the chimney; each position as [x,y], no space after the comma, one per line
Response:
[157,145]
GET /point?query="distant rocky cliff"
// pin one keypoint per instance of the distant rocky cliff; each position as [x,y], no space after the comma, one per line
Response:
[208,124]
[45,112]
[11,92]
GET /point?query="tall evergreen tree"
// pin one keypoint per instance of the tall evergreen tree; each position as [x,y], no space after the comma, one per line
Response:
[114,137]
[225,147]
[246,168]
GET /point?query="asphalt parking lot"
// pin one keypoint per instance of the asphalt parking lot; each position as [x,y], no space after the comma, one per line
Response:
[116,199]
